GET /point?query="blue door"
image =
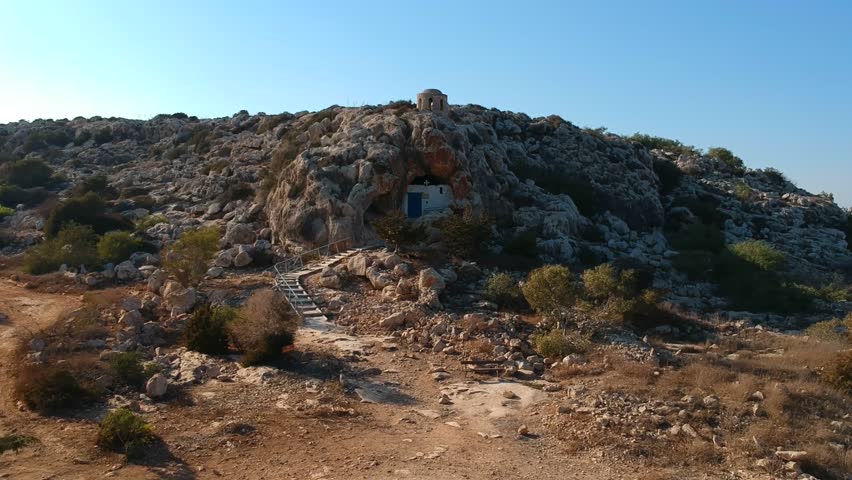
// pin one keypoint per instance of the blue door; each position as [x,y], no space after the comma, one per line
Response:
[415,204]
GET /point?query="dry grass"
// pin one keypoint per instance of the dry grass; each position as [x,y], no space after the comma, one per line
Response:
[796,413]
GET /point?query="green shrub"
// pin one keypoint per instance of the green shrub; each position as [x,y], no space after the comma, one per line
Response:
[705,207]
[14,195]
[104,135]
[839,372]
[750,286]
[127,369]
[759,253]
[397,230]
[149,221]
[6,212]
[742,191]
[26,173]
[188,258]
[728,158]
[115,247]
[82,137]
[558,343]
[90,209]
[698,237]
[523,244]
[123,432]
[73,246]
[550,291]
[660,143]
[669,174]
[832,330]
[14,442]
[465,235]
[98,184]
[264,326]
[207,329]
[501,289]
[775,176]
[613,296]
[696,264]
[50,389]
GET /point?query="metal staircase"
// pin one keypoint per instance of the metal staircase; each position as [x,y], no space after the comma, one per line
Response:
[289,274]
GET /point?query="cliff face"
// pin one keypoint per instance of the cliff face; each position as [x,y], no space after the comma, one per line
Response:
[363,160]
[310,178]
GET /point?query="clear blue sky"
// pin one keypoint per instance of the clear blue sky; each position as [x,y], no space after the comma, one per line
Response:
[771,80]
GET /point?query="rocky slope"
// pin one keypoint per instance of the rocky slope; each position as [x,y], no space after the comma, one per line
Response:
[305,179]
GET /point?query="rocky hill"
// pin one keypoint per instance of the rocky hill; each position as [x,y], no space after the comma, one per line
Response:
[291,181]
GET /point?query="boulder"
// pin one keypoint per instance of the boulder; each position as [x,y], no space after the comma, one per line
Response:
[379,279]
[156,280]
[156,386]
[238,233]
[430,279]
[126,271]
[243,258]
[179,299]
[358,264]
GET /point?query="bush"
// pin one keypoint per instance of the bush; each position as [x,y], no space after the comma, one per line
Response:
[73,246]
[696,264]
[123,432]
[127,369]
[728,158]
[98,184]
[145,223]
[6,212]
[847,230]
[14,442]
[104,135]
[832,330]
[14,195]
[501,289]
[659,143]
[742,191]
[115,247]
[397,230]
[51,389]
[750,286]
[839,372]
[82,137]
[188,258]
[523,244]
[27,173]
[705,207]
[669,174]
[90,209]
[207,329]
[615,296]
[263,327]
[558,344]
[758,253]
[550,291]
[698,237]
[465,235]
[775,176]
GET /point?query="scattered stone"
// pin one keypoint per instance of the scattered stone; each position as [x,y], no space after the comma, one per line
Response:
[156,386]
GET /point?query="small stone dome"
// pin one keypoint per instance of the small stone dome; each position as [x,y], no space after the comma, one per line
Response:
[433,100]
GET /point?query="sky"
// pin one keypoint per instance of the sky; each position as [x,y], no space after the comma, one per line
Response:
[770,80]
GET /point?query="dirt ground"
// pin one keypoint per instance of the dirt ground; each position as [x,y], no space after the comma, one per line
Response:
[304,425]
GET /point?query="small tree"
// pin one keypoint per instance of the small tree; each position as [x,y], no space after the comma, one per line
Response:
[550,291]
[207,329]
[396,229]
[466,234]
[263,327]
[188,258]
[115,247]
[122,431]
[504,291]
